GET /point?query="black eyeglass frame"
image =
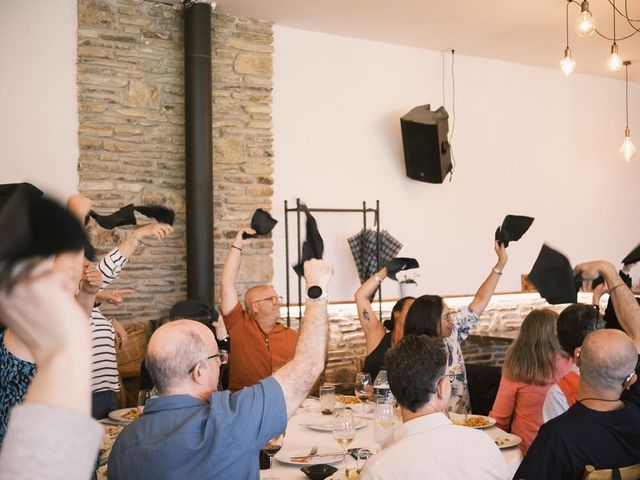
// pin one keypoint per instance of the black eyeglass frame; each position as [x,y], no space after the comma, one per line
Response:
[223,355]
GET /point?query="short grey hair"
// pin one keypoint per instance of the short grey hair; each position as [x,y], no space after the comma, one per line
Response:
[606,370]
[169,369]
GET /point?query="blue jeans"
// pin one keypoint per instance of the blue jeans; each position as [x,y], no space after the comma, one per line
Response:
[102,403]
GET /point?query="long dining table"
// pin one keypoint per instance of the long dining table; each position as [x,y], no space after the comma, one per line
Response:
[302,435]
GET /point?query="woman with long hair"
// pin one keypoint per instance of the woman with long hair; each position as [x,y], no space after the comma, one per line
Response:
[378,339]
[533,363]
[430,315]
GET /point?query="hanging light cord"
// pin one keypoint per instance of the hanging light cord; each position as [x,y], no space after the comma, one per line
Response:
[567,19]
[626,90]
[614,20]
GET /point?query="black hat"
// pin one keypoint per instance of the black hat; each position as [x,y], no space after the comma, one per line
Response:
[193,310]
[34,226]
[313,246]
[398,264]
[262,222]
[633,257]
[513,228]
[553,277]
[126,216]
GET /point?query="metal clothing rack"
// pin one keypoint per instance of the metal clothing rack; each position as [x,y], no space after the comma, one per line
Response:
[364,210]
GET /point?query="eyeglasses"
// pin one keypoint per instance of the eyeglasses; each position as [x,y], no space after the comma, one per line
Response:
[274,299]
[223,355]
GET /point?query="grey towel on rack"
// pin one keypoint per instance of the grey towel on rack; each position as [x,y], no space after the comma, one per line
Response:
[363,249]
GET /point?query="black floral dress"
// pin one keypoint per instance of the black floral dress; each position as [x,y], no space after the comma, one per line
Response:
[15,377]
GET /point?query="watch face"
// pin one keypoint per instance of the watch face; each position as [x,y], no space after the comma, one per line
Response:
[314,292]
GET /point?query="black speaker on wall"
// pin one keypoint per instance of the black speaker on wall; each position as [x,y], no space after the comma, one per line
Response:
[427,153]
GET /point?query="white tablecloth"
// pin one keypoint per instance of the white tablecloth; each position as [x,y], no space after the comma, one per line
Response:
[302,438]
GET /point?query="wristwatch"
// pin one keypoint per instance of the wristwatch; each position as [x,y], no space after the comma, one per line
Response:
[316,293]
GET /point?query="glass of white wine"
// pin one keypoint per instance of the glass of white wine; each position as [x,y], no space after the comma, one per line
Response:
[384,418]
[344,430]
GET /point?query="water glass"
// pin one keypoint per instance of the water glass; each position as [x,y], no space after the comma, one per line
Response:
[327,399]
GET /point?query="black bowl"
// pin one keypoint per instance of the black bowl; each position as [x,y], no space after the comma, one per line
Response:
[319,472]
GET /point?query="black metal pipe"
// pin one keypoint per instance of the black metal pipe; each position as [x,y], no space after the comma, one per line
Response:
[198,150]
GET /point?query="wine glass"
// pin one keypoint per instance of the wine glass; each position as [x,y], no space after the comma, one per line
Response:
[363,388]
[144,395]
[344,430]
[272,447]
[384,418]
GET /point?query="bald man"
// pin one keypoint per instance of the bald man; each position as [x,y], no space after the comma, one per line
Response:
[600,429]
[191,431]
[261,344]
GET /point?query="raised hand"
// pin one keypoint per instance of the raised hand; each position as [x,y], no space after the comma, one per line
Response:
[159,231]
[113,297]
[91,280]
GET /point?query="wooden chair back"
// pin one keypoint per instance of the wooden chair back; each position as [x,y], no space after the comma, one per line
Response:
[623,473]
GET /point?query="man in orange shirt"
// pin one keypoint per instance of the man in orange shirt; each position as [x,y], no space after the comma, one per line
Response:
[260,343]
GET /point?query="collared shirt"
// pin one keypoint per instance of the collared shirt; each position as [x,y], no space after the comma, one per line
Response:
[432,447]
[184,438]
[255,354]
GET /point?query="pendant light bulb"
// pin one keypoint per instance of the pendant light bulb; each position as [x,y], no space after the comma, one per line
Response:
[567,64]
[627,150]
[585,25]
[615,62]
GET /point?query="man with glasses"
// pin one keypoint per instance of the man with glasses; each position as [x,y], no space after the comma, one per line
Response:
[191,431]
[261,344]
[427,444]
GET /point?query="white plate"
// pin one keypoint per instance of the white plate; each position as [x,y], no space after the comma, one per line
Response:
[328,426]
[119,415]
[458,419]
[506,440]
[284,456]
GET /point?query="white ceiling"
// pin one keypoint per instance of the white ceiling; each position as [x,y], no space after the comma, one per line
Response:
[530,32]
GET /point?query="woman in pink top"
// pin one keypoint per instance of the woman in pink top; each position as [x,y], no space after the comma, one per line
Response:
[533,363]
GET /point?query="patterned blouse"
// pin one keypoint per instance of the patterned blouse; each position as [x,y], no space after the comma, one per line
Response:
[15,377]
[464,320]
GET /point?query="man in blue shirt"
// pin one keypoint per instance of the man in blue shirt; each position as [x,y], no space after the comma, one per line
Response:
[193,432]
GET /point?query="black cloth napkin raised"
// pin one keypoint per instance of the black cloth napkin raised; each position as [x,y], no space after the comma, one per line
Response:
[34,226]
[398,264]
[126,215]
[512,229]
[313,246]
[632,257]
[553,277]
[262,222]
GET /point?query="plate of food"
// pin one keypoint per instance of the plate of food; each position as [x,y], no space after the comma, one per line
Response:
[328,426]
[125,415]
[473,421]
[300,456]
[507,440]
[348,399]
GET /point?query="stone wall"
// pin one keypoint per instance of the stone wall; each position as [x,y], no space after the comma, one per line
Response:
[131,137]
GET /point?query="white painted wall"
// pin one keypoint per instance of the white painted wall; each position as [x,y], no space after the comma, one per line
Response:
[527,141]
[39,120]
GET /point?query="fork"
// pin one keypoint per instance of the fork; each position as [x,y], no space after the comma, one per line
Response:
[312,453]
